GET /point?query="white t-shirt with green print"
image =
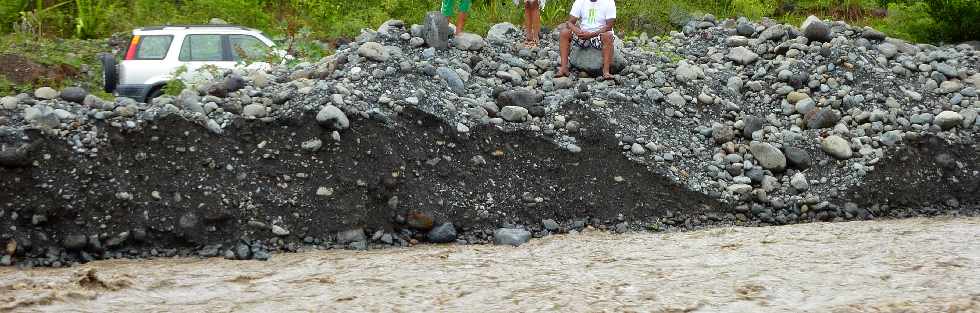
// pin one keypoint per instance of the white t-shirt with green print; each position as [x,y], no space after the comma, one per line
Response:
[593,15]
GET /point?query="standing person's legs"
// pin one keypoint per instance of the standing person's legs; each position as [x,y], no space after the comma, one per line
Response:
[528,16]
[464,10]
[448,7]
[534,32]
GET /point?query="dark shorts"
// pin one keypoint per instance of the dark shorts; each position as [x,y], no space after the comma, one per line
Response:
[594,42]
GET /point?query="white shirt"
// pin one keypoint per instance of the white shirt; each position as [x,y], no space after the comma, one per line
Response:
[592,16]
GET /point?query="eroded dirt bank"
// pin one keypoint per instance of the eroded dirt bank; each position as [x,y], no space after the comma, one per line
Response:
[910,265]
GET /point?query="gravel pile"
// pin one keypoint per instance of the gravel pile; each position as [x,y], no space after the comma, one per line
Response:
[776,124]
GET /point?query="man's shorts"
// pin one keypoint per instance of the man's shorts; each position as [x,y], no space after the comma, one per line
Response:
[449,6]
[594,42]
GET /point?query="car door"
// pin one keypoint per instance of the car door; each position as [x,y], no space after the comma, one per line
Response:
[202,50]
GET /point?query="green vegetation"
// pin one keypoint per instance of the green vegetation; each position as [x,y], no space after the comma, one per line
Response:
[920,20]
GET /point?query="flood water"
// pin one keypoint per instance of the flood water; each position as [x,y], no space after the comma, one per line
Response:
[915,265]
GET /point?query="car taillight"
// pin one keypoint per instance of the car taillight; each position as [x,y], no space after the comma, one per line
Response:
[131,53]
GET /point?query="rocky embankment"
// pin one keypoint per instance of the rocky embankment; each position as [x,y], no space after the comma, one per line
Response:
[404,137]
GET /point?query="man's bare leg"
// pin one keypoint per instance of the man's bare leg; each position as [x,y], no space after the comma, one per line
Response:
[528,24]
[564,44]
[460,22]
[537,22]
[607,54]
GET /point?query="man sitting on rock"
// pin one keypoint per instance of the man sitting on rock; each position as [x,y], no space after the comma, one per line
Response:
[590,25]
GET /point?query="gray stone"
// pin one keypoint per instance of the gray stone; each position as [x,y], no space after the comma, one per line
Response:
[797,158]
[469,42]
[806,106]
[822,118]
[751,124]
[887,49]
[950,86]
[872,34]
[452,79]
[500,33]
[254,111]
[46,93]
[312,145]
[74,94]
[686,72]
[637,149]
[742,55]
[233,83]
[722,133]
[550,225]
[41,116]
[589,60]
[799,182]
[513,113]
[676,99]
[75,242]
[9,103]
[816,29]
[435,30]
[188,100]
[332,117]
[745,29]
[444,233]
[279,230]
[768,156]
[948,119]
[351,235]
[519,97]
[511,236]
[969,117]
[837,147]
[373,51]
[891,138]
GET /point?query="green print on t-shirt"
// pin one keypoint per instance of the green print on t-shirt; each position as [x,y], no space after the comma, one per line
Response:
[592,16]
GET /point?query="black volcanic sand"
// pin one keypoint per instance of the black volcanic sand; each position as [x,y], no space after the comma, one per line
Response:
[217,190]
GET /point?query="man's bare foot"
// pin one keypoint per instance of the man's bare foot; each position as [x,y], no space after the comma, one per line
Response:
[562,73]
[608,76]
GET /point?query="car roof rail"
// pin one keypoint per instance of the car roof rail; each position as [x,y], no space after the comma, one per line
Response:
[189,26]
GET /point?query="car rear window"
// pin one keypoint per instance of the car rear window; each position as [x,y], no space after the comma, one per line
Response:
[153,47]
[202,48]
[247,47]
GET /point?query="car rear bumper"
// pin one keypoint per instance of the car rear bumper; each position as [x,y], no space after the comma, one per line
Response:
[137,92]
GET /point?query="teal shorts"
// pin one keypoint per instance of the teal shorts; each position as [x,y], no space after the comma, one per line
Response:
[449,6]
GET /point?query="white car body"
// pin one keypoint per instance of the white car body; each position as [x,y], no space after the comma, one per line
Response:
[140,77]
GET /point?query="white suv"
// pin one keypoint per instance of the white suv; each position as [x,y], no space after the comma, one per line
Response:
[155,54]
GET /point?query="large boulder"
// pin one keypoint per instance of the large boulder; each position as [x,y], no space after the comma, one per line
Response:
[816,29]
[46,93]
[435,30]
[373,51]
[519,97]
[74,94]
[837,147]
[452,79]
[499,34]
[821,118]
[686,72]
[469,42]
[511,236]
[742,55]
[332,117]
[590,60]
[769,157]
[948,119]
[444,233]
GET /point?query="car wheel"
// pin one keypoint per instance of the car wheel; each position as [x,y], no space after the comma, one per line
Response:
[154,93]
[110,76]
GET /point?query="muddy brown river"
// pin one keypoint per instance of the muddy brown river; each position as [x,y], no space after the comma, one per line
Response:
[915,265]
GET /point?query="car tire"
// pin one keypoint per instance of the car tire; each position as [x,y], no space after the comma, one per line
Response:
[110,75]
[154,93]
